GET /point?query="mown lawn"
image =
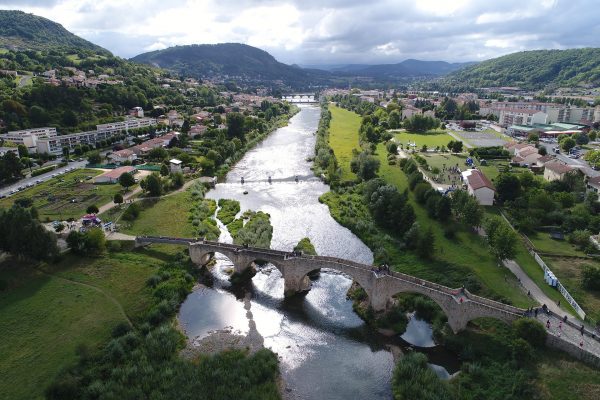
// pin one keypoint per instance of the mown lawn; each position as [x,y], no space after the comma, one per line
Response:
[54,198]
[466,249]
[343,138]
[44,319]
[432,139]
[168,216]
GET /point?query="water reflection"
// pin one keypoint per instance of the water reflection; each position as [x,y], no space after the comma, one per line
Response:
[325,349]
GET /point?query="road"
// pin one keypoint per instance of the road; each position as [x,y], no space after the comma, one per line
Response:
[5,191]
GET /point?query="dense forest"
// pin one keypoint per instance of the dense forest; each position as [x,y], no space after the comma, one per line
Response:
[533,70]
[21,31]
[230,59]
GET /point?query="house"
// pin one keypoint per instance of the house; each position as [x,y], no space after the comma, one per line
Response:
[408,111]
[479,186]
[514,147]
[122,156]
[198,129]
[113,176]
[175,165]
[593,186]
[544,160]
[137,112]
[555,170]
[528,155]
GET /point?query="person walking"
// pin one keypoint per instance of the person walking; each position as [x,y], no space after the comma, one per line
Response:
[548,324]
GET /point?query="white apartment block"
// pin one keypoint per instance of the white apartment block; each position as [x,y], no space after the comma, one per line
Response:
[28,137]
[505,111]
[46,140]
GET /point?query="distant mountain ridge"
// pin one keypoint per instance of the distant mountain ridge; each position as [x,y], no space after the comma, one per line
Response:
[22,31]
[535,69]
[406,69]
[231,59]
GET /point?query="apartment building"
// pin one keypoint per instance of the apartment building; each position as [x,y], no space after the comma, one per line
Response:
[28,137]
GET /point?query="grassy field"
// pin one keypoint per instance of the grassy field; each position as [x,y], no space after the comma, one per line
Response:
[568,270]
[545,244]
[343,138]
[467,249]
[432,139]
[45,316]
[168,216]
[562,377]
[53,198]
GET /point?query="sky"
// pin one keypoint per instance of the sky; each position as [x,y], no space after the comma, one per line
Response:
[309,32]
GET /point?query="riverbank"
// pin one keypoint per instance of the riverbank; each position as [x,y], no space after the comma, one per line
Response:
[499,361]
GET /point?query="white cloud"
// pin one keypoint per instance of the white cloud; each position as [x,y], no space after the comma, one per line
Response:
[330,31]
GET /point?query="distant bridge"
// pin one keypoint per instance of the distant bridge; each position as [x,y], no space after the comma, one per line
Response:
[307,98]
[459,305]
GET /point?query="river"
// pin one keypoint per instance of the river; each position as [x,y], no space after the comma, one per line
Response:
[326,351]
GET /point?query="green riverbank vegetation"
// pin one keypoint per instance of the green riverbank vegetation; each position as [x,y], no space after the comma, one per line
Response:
[416,230]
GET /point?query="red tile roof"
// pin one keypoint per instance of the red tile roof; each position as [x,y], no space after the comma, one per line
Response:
[558,167]
[478,180]
[117,172]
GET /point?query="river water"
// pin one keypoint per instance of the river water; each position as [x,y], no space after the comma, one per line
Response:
[326,351]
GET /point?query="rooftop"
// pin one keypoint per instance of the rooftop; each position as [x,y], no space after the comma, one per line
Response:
[117,172]
[477,180]
[558,167]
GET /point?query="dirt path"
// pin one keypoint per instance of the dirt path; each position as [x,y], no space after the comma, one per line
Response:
[97,289]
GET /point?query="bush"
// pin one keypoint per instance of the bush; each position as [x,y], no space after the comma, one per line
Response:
[413,379]
[530,330]
[41,171]
[132,212]
[590,277]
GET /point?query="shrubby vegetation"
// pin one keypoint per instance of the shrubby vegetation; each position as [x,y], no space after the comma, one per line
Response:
[306,247]
[228,210]
[413,379]
[89,243]
[256,232]
[143,361]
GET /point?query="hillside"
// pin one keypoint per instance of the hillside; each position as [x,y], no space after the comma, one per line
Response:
[405,69]
[534,70]
[229,60]
[21,31]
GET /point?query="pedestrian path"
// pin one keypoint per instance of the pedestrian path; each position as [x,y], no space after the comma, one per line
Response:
[555,326]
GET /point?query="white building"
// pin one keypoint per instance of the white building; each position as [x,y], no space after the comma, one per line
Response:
[4,150]
[175,165]
[593,185]
[555,170]
[113,175]
[479,186]
[121,156]
[29,137]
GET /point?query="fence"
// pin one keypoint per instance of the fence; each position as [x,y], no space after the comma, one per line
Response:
[559,286]
[545,268]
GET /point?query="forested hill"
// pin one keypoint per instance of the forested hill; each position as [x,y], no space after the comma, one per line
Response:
[405,69]
[533,70]
[22,31]
[228,60]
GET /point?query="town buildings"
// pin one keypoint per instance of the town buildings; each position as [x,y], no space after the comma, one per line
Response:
[46,140]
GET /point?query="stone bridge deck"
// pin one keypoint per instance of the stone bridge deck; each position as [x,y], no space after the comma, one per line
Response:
[459,305]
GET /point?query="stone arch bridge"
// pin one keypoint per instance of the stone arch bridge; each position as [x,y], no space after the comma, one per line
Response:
[459,305]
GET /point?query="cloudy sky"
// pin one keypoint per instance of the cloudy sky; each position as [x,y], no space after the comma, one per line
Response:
[331,31]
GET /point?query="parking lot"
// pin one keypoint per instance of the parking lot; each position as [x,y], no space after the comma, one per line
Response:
[481,138]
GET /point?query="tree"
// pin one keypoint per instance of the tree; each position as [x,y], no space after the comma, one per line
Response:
[533,137]
[153,185]
[593,158]
[466,208]
[10,167]
[177,180]
[567,144]
[94,157]
[164,170]
[158,154]
[118,198]
[590,277]
[23,151]
[66,152]
[508,187]
[542,151]
[90,243]
[126,180]
[92,209]
[22,235]
[365,165]
[501,238]
[530,330]
[235,125]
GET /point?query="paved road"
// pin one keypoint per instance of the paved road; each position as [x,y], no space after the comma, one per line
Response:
[569,333]
[5,191]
